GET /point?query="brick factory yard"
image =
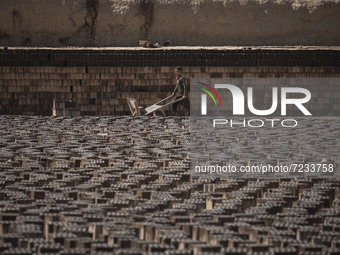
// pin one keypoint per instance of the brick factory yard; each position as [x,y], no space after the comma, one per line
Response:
[122,185]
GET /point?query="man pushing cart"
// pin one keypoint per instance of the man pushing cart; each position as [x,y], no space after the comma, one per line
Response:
[179,91]
[177,96]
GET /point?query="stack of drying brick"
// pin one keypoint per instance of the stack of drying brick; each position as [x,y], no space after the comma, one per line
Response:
[99,81]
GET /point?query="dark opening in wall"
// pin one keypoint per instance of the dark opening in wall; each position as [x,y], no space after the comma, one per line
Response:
[147,10]
[71,88]
[92,101]
[90,20]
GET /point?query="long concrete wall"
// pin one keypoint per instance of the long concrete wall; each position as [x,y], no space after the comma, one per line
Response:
[184,22]
[100,81]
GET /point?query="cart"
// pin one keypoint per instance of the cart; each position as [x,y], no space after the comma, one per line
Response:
[137,110]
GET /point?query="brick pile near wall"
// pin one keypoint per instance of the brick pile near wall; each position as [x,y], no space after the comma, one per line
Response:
[100,80]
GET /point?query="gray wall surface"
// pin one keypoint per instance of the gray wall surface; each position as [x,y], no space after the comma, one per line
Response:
[183,22]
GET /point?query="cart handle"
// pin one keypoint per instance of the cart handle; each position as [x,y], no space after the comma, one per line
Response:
[170,103]
[175,101]
[164,99]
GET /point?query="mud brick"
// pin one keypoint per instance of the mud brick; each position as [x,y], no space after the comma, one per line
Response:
[198,248]
[223,240]
[49,218]
[333,251]
[324,240]
[212,201]
[175,241]
[144,194]
[124,242]
[18,251]
[305,232]
[25,243]
[199,233]
[335,244]
[84,243]
[37,194]
[141,245]
[49,248]
[237,242]
[180,219]
[60,237]
[13,239]
[158,248]
[185,243]
[5,247]
[93,217]
[310,248]
[72,251]
[8,216]
[166,69]
[179,252]
[6,227]
[252,248]
[102,247]
[96,229]
[283,251]
[128,252]
[235,251]
[70,242]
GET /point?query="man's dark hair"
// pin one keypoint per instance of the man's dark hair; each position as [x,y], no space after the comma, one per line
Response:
[179,68]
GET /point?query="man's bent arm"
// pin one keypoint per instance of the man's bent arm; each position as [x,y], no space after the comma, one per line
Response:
[173,93]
